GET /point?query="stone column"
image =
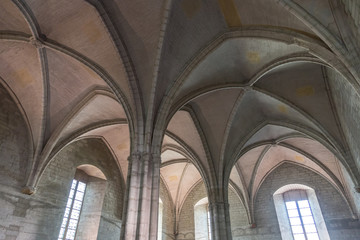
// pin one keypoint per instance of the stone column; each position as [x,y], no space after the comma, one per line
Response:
[220,220]
[142,198]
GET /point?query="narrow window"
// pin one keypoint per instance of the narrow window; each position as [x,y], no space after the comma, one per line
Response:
[202,220]
[72,211]
[301,220]
[160,217]
[209,223]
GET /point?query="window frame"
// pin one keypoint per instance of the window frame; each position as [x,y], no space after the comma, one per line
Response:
[71,208]
[208,221]
[300,216]
[281,212]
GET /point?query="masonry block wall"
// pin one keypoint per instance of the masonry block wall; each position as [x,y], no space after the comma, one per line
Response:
[14,143]
[186,228]
[346,101]
[56,181]
[39,216]
[14,156]
[335,210]
[238,216]
[168,213]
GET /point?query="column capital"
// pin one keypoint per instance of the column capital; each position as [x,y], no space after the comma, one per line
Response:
[144,155]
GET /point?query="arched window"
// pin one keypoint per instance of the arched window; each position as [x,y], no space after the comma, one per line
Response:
[84,205]
[202,220]
[299,214]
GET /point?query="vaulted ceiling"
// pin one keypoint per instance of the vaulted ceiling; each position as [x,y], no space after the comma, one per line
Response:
[236,86]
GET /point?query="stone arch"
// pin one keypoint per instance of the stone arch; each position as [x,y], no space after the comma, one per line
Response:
[87,155]
[331,201]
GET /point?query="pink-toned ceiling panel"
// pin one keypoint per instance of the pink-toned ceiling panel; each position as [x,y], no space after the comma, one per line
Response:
[188,134]
[117,136]
[270,133]
[11,19]
[247,162]
[21,70]
[169,141]
[169,155]
[172,175]
[235,177]
[190,178]
[317,150]
[70,81]
[99,108]
[278,154]
[82,31]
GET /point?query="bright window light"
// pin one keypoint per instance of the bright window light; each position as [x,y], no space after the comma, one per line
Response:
[301,220]
[209,224]
[72,211]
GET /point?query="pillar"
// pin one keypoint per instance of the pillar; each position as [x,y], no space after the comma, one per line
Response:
[142,198]
[220,216]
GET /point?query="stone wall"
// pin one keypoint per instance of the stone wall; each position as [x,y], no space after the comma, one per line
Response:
[39,216]
[347,105]
[14,143]
[56,181]
[186,225]
[14,158]
[168,214]
[335,211]
[238,216]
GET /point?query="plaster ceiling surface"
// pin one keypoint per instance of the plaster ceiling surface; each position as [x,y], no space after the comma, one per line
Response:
[236,60]
[248,161]
[189,135]
[141,35]
[172,175]
[118,139]
[304,85]
[70,81]
[167,140]
[318,151]
[169,155]
[235,177]
[214,116]
[20,68]
[257,108]
[190,178]
[218,65]
[11,18]
[321,10]
[274,156]
[180,178]
[82,31]
[270,133]
[98,108]
[260,12]
[192,24]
